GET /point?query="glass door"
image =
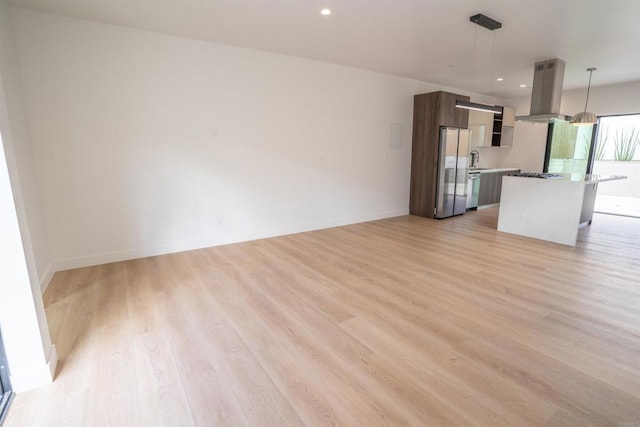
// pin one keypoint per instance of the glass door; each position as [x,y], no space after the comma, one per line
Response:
[5,391]
[617,152]
[569,148]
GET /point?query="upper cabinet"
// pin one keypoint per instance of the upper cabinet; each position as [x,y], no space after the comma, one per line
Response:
[506,128]
[492,130]
[481,127]
[448,113]
[508,116]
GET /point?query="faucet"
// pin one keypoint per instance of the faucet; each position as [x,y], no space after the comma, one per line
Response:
[475,158]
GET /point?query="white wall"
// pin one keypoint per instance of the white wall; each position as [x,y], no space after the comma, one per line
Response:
[21,159]
[23,253]
[604,100]
[148,144]
[629,187]
[530,139]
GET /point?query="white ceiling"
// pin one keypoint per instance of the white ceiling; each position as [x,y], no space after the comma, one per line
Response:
[429,40]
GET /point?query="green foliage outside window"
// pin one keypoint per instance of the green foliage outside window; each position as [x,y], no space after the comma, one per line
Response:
[564,141]
[601,145]
[625,142]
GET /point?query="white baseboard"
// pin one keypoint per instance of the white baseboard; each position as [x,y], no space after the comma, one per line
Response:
[45,280]
[492,205]
[128,254]
[338,222]
[37,376]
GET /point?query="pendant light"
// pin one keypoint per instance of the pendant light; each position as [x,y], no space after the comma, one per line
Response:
[585,118]
[490,24]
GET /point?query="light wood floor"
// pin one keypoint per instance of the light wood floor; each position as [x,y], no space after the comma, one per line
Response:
[399,321]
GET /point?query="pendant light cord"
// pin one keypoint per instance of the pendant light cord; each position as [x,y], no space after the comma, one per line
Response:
[473,62]
[493,56]
[588,90]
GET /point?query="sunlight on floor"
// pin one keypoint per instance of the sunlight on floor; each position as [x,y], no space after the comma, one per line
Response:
[628,206]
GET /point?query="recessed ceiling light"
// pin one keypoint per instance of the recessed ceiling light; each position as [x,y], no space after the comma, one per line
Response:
[326,12]
[499,79]
[523,85]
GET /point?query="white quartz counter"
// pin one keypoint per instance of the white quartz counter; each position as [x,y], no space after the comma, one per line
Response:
[573,177]
[591,178]
[550,209]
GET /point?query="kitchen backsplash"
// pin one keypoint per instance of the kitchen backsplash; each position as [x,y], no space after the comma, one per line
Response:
[489,157]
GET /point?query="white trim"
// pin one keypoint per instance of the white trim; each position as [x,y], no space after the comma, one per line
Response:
[45,280]
[490,205]
[116,256]
[37,376]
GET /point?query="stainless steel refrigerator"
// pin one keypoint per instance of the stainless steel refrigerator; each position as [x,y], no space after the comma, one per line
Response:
[453,167]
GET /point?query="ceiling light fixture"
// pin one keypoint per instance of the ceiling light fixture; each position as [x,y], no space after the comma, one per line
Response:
[523,85]
[585,118]
[478,107]
[499,79]
[490,24]
[485,21]
[326,12]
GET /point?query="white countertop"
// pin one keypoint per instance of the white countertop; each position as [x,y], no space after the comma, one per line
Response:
[592,178]
[578,177]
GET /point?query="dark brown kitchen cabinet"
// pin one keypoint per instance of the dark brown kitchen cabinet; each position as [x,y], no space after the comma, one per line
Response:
[491,187]
[503,128]
[449,114]
[497,130]
[430,112]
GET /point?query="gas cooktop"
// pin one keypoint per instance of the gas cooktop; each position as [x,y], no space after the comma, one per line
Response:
[537,175]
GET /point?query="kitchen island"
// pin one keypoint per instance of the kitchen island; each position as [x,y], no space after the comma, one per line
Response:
[552,208]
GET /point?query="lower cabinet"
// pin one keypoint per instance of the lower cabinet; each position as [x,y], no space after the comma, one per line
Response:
[491,187]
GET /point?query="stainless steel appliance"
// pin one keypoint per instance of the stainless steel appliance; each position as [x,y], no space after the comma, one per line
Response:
[537,175]
[475,158]
[546,93]
[453,165]
[473,189]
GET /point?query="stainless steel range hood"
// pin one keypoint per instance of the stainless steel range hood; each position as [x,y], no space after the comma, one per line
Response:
[544,118]
[546,93]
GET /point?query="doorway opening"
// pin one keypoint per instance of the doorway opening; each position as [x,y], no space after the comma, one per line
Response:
[6,395]
[569,148]
[617,152]
[610,148]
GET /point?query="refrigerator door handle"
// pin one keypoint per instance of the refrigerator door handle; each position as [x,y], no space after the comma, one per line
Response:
[440,196]
[462,165]
[446,182]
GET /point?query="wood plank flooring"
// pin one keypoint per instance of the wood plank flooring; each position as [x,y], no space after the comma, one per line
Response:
[403,321]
